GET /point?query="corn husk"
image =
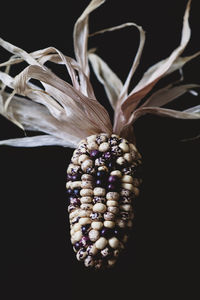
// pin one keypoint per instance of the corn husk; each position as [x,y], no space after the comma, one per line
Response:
[68,112]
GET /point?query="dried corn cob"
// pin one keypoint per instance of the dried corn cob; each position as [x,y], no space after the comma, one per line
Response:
[102,183]
[103,178]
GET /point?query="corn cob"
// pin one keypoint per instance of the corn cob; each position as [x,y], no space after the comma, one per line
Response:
[102,183]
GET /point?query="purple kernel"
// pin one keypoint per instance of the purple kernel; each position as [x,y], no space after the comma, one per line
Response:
[101,174]
[76,176]
[111,187]
[112,179]
[77,245]
[85,228]
[111,165]
[107,232]
[76,192]
[69,177]
[107,155]
[94,153]
[99,182]
[119,233]
[70,191]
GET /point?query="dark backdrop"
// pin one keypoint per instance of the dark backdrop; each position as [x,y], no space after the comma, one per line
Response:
[162,254]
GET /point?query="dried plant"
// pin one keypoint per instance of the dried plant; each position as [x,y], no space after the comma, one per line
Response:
[69,113]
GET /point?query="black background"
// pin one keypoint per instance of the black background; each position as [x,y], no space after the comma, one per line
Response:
[162,254]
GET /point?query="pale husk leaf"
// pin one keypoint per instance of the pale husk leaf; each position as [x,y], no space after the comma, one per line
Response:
[37,141]
[80,36]
[107,77]
[167,94]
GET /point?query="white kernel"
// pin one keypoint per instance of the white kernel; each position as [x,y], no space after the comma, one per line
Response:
[86,192]
[72,240]
[97,225]
[112,203]
[101,243]
[125,207]
[128,186]
[84,213]
[68,184]
[87,177]
[128,157]
[112,196]
[85,184]
[103,168]
[124,147]
[115,135]
[124,141]
[75,152]
[92,146]
[75,159]
[84,221]
[88,163]
[127,179]
[94,235]
[91,138]
[103,147]
[86,199]
[99,207]
[109,224]
[98,191]
[77,227]
[86,206]
[77,236]
[116,173]
[82,158]
[113,209]
[74,213]
[70,167]
[121,223]
[113,242]
[92,250]
[75,184]
[120,160]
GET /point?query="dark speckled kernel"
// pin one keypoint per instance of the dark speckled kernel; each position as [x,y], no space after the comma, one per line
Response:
[95,216]
[117,151]
[100,198]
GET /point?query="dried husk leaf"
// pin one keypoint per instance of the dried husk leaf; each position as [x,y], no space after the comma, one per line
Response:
[167,94]
[66,112]
[37,141]
[107,77]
